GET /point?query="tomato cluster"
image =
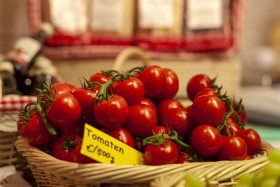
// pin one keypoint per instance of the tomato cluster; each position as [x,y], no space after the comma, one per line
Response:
[138,108]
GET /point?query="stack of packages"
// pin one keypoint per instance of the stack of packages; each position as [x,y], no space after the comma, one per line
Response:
[190,29]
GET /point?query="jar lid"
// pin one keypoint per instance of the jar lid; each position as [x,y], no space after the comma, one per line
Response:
[7,66]
[48,28]
[42,62]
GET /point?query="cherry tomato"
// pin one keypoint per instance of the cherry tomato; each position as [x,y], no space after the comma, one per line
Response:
[240,110]
[180,120]
[64,111]
[234,148]
[99,77]
[206,140]
[139,144]
[149,102]
[248,157]
[153,80]
[34,132]
[184,158]
[165,105]
[60,88]
[62,150]
[171,85]
[197,83]
[122,135]
[141,120]
[208,109]
[206,91]
[132,90]
[159,129]
[77,128]
[253,141]
[161,154]
[78,157]
[86,100]
[233,128]
[111,113]
[72,87]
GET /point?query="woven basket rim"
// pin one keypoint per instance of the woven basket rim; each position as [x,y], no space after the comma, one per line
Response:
[100,173]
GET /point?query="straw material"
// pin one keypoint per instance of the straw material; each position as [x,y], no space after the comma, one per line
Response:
[49,171]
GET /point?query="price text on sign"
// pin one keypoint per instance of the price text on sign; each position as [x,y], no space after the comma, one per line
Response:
[108,150]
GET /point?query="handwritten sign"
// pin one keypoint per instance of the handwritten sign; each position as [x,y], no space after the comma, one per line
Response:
[108,150]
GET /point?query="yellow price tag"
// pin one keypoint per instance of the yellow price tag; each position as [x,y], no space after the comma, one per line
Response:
[108,150]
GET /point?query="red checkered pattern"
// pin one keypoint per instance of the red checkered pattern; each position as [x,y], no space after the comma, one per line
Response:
[14,103]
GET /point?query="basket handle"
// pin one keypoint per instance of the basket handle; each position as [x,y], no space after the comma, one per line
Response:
[126,54]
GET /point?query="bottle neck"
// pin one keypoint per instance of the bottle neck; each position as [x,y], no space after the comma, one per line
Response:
[41,37]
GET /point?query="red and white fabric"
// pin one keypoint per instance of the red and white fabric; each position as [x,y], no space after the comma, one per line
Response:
[10,107]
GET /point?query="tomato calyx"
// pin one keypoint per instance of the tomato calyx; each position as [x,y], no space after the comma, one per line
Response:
[231,112]
[161,138]
[26,113]
[137,69]
[70,144]
[109,72]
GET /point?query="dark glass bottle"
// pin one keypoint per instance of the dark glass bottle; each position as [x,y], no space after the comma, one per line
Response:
[25,51]
[42,71]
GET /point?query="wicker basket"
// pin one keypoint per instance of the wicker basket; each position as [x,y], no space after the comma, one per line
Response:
[49,171]
[9,109]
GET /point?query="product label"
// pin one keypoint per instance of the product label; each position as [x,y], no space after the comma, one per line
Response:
[157,14]
[26,48]
[107,15]
[69,15]
[108,150]
[204,14]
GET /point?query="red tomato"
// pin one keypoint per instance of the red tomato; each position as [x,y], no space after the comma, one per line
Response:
[111,113]
[60,88]
[78,157]
[86,100]
[171,85]
[77,128]
[208,109]
[72,87]
[122,135]
[62,150]
[184,158]
[197,83]
[153,80]
[64,111]
[141,120]
[206,91]
[99,77]
[35,133]
[180,120]
[132,90]
[159,129]
[206,140]
[233,128]
[240,110]
[139,145]
[149,102]
[234,148]
[161,154]
[165,105]
[248,157]
[253,141]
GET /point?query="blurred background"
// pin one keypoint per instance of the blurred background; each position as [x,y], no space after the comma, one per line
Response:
[259,40]
[245,48]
